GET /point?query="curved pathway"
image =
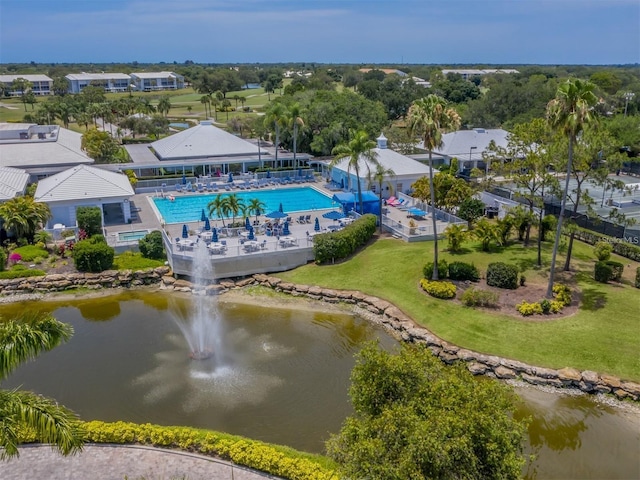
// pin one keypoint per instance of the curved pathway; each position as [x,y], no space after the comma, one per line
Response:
[117,462]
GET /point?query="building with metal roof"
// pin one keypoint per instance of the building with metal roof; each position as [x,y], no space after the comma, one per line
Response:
[84,185]
[13,183]
[110,82]
[40,84]
[152,81]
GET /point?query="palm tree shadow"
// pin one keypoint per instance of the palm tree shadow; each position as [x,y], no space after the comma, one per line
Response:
[593,299]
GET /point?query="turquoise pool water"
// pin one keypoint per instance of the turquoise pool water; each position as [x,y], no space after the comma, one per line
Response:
[188,208]
[131,236]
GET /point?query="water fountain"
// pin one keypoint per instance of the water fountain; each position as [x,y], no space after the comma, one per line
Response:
[202,329]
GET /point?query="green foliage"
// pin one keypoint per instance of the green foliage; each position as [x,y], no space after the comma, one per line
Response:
[92,257]
[463,271]
[622,247]
[89,219]
[456,234]
[526,309]
[549,223]
[602,250]
[151,245]
[617,269]
[20,271]
[475,297]
[134,261]
[488,233]
[415,418]
[438,289]
[275,460]
[443,270]
[637,280]
[502,275]
[562,293]
[329,247]
[471,209]
[602,272]
[545,305]
[3,259]
[523,280]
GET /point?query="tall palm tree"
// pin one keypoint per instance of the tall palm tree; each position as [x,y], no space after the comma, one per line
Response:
[276,117]
[164,105]
[206,101]
[234,206]
[359,147]
[429,117]
[256,207]
[569,112]
[23,216]
[22,340]
[294,120]
[378,176]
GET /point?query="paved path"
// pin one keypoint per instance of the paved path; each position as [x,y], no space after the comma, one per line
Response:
[117,462]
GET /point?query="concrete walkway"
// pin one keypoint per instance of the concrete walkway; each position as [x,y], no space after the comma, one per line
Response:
[117,462]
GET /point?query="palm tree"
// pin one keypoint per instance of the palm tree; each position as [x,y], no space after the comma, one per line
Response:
[359,147]
[378,176]
[256,206]
[486,232]
[429,117]
[22,340]
[276,117]
[206,101]
[23,216]
[234,206]
[456,233]
[164,105]
[216,207]
[295,120]
[569,112]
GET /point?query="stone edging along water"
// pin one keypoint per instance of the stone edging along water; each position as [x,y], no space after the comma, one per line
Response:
[375,309]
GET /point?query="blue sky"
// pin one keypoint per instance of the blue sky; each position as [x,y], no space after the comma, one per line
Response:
[323,31]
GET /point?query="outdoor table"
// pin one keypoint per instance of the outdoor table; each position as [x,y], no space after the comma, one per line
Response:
[206,236]
[217,247]
[287,241]
[244,234]
[185,243]
[251,246]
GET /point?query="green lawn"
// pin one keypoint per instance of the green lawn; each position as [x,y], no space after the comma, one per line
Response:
[603,336]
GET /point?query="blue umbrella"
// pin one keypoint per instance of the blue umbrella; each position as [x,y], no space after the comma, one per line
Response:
[268,173]
[316,227]
[203,216]
[285,230]
[276,214]
[230,180]
[299,172]
[184,179]
[247,223]
[251,236]
[214,235]
[185,231]
[333,215]
[207,225]
[280,208]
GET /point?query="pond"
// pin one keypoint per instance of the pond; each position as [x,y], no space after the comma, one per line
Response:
[283,377]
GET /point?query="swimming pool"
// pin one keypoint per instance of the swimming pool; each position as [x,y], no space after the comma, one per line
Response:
[188,208]
[132,236]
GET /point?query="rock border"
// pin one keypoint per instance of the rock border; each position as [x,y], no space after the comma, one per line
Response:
[374,309]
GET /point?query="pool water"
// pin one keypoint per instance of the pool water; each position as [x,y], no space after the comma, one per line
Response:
[189,208]
[131,236]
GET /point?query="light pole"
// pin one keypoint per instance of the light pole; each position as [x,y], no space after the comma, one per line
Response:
[627,96]
[470,150]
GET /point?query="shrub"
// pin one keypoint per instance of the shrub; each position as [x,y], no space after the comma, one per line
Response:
[549,223]
[556,306]
[545,305]
[602,272]
[151,245]
[3,259]
[438,289]
[617,268]
[562,293]
[473,297]
[330,247]
[97,238]
[526,309]
[602,250]
[20,271]
[502,275]
[623,247]
[29,252]
[523,280]
[637,282]
[443,270]
[89,219]
[463,271]
[92,257]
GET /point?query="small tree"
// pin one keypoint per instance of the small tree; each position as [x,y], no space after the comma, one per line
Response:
[151,245]
[470,210]
[602,251]
[89,219]
[90,256]
[487,233]
[455,234]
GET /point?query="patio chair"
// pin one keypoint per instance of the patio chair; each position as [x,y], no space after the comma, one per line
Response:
[307,219]
[301,219]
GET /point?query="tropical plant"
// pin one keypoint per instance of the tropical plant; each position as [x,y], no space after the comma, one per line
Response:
[568,112]
[470,210]
[23,216]
[429,117]
[358,148]
[255,207]
[378,176]
[294,120]
[455,234]
[164,105]
[22,340]
[276,117]
[218,207]
[522,219]
[487,233]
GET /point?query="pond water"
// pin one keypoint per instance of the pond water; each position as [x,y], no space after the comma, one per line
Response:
[284,380]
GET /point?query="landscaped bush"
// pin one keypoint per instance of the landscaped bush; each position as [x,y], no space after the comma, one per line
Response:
[637,282]
[329,247]
[20,271]
[89,219]
[463,271]
[617,268]
[602,250]
[438,289]
[603,272]
[3,259]
[526,309]
[151,245]
[502,275]
[29,252]
[562,293]
[92,257]
[548,224]
[443,270]
[474,297]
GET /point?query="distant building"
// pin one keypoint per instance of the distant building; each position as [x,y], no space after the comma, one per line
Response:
[387,71]
[467,73]
[110,82]
[40,84]
[152,81]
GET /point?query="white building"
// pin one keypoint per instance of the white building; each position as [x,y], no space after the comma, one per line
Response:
[40,84]
[152,81]
[110,82]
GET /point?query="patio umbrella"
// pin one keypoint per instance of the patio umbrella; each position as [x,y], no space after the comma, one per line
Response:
[333,215]
[230,180]
[299,172]
[276,214]
[251,236]
[207,225]
[247,223]
[280,208]
[184,179]
[214,235]
[203,216]
[316,227]
[285,230]
[185,231]
[268,173]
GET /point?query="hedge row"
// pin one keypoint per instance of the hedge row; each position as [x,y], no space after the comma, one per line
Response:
[329,247]
[621,247]
[283,462]
[608,270]
[455,271]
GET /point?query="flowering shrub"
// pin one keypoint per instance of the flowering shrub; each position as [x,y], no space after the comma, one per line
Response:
[14,258]
[526,309]
[562,293]
[438,289]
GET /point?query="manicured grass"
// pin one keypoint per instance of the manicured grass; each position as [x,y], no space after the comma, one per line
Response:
[134,261]
[603,336]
